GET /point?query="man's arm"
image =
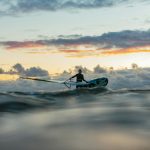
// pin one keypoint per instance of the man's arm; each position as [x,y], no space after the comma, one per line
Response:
[85,80]
[72,77]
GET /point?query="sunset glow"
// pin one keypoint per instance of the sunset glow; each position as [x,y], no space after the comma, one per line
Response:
[7,77]
[59,40]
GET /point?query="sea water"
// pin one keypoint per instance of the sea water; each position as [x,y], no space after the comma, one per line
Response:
[41,116]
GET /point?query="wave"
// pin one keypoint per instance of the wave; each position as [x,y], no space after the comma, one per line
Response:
[122,91]
[57,94]
[16,101]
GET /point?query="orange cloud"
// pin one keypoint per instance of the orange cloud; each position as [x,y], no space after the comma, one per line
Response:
[77,51]
[100,52]
[25,45]
[80,53]
[72,50]
[125,51]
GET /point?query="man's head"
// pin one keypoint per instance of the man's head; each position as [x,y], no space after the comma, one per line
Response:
[79,71]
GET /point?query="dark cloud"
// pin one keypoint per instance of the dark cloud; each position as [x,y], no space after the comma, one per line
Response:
[99,69]
[36,71]
[123,39]
[26,6]
[73,36]
[134,66]
[19,68]
[23,44]
[1,71]
[107,41]
[53,5]
[112,43]
[32,72]
[84,69]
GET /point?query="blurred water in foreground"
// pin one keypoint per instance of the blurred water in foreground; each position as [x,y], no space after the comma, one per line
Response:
[106,120]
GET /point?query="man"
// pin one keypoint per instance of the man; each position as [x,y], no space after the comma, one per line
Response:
[79,77]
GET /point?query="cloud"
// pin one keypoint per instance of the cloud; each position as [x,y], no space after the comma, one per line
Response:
[19,68]
[25,6]
[36,71]
[134,66]
[111,43]
[130,78]
[84,69]
[55,5]
[79,53]
[99,69]
[25,44]
[126,51]
[122,39]
[1,71]
[32,72]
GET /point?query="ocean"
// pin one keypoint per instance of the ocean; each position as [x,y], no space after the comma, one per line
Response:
[45,116]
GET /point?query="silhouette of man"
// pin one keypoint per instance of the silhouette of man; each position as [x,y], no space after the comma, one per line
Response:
[79,77]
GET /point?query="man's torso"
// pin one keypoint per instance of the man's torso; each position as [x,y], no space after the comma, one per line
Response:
[79,77]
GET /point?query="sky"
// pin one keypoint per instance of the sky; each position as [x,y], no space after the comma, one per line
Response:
[59,34]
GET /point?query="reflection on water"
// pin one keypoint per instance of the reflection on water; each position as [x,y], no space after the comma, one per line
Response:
[108,120]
